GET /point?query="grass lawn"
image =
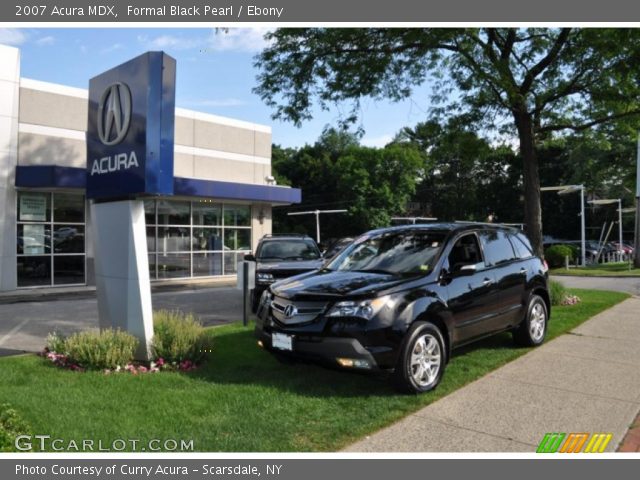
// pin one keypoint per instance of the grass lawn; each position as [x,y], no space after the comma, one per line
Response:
[604,269]
[243,399]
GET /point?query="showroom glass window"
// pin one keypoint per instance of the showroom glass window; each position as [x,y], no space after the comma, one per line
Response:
[202,238]
[51,239]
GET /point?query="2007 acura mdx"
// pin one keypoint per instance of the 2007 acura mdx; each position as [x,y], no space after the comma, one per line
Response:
[403,298]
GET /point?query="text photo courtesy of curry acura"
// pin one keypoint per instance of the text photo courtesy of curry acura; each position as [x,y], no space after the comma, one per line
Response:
[402,298]
[281,256]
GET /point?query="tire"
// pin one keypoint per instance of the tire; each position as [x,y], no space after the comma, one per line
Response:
[422,359]
[533,328]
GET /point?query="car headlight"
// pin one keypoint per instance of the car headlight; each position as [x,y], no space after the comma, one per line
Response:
[366,309]
[265,298]
[265,277]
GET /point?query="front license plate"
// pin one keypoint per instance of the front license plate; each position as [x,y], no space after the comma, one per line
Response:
[282,341]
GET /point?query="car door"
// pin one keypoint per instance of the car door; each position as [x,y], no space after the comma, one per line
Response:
[471,288]
[511,277]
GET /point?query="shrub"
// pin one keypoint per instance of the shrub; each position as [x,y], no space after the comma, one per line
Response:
[557,293]
[556,254]
[56,342]
[178,337]
[100,350]
[11,425]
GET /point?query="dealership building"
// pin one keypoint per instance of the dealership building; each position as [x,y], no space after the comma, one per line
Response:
[223,191]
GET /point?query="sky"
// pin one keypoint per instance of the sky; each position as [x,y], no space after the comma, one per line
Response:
[215,74]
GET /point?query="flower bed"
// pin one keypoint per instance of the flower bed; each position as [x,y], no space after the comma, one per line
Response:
[180,343]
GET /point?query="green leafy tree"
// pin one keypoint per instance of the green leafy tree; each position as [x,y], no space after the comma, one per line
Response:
[337,173]
[465,177]
[531,82]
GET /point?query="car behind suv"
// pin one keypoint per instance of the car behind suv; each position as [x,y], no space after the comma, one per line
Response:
[282,256]
[403,298]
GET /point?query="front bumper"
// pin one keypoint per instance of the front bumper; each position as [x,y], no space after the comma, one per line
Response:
[343,352]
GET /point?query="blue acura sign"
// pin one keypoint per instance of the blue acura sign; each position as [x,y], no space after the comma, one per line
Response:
[131,128]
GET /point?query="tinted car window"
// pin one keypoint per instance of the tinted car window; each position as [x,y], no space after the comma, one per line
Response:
[521,248]
[396,252]
[465,251]
[289,250]
[497,247]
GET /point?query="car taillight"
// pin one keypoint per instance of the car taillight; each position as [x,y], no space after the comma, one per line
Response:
[546,265]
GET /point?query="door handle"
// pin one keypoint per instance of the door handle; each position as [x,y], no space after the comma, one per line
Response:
[487,282]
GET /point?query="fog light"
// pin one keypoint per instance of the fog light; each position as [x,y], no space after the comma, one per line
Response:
[345,362]
[260,344]
[353,363]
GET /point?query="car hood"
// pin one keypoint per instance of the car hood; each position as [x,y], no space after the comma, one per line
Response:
[336,284]
[290,265]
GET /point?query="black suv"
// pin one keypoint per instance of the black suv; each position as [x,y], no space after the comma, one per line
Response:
[282,256]
[403,298]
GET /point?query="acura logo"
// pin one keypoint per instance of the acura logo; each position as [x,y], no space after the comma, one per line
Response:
[114,113]
[290,311]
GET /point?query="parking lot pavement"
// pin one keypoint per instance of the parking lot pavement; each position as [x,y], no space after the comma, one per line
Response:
[25,325]
[620,284]
[584,381]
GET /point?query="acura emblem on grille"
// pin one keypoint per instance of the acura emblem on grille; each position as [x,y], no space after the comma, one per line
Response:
[290,311]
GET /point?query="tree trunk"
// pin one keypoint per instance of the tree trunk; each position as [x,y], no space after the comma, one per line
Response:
[532,208]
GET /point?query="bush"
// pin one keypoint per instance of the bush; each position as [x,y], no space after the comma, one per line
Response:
[557,292]
[556,254]
[100,350]
[56,342]
[178,337]
[11,425]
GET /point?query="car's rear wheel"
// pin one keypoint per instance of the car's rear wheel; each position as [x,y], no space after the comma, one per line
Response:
[422,359]
[533,329]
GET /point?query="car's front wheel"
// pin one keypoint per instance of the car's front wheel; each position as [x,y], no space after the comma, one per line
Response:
[422,359]
[533,329]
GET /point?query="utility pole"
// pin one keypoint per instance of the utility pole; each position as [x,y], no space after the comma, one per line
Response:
[317,214]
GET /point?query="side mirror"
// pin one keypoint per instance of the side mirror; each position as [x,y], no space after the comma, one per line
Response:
[466,270]
[249,258]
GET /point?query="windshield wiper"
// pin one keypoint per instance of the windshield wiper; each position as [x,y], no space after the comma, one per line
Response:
[375,270]
[270,257]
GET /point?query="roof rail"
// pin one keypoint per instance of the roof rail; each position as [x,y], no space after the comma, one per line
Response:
[486,224]
[271,235]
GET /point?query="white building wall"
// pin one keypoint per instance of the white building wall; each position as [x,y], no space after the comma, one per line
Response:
[9,112]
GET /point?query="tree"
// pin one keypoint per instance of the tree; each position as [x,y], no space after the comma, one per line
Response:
[534,82]
[336,172]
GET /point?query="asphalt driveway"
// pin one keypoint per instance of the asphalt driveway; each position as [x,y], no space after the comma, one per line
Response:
[24,325]
[619,284]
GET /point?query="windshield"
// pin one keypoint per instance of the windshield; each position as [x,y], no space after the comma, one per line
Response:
[398,252]
[288,250]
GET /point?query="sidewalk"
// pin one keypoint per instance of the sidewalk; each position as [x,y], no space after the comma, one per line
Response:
[83,291]
[584,381]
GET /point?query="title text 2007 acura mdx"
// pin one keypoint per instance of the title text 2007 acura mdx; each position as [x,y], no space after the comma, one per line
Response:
[402,298]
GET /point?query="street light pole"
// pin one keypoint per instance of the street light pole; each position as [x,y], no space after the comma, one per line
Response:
[583,253]
[620,246]
[563,190]
[317,226]
[317,214]
[636,245]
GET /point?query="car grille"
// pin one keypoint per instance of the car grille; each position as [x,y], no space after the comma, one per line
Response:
[287,312]
[280,274]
